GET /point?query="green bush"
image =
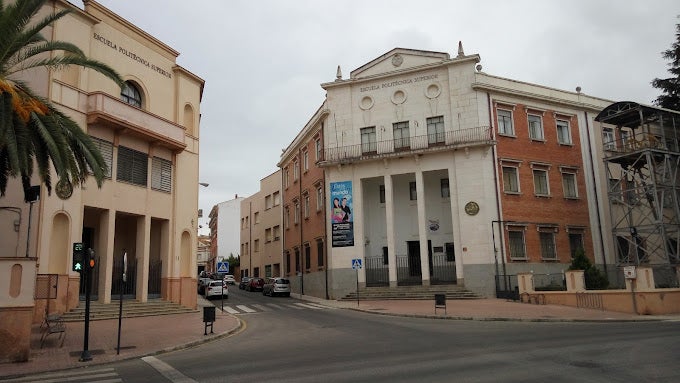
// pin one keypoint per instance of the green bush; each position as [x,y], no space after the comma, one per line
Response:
[594,278]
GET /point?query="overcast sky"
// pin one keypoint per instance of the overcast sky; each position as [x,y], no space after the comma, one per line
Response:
[263,61]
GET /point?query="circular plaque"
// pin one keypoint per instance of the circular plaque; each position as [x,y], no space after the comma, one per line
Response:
[64,189]
[472,208]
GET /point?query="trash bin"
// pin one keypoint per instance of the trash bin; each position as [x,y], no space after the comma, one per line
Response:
[439,302]
[208,313]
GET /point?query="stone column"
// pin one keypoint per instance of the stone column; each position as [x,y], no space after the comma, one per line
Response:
[107,236]
[142,255]
[389,220]
[422,229]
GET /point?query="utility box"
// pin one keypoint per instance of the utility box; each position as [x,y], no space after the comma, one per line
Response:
[208,318]
[629,272]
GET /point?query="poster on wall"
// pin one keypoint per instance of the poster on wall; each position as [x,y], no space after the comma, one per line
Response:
[342,217]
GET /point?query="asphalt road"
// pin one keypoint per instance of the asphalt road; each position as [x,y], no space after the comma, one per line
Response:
[290,342]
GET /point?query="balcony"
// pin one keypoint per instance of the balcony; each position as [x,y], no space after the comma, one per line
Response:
[457,139]
[102,109]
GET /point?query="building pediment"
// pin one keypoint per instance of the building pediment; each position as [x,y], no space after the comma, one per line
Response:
[398,59]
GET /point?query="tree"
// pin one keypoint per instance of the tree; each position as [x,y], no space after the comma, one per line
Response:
[670,86]
[594,278]
[33,132]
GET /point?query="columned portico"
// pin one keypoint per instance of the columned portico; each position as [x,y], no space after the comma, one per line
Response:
[107,234]
[389,220]
[422,228]
[142,245]
[455,223]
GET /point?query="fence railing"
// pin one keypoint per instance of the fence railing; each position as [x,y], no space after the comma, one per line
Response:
[550,282]
[476,135]
[377,272]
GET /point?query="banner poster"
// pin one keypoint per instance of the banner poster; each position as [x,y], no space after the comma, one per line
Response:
[342,219]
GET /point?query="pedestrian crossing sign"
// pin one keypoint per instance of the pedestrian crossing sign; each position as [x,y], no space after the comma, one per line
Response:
[356,263]
[222,267]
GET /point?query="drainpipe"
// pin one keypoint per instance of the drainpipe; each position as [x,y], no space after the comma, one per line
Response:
[494,158]
[597,201]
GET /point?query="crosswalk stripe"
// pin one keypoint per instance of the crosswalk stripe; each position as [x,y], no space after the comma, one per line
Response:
[167,370]
[245,308]
[260,307]
[107,375]
[318,305]
[275,306]
[230,310]
[309,306]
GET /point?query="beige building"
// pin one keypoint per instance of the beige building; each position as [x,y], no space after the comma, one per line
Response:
[147,207]
[261,245]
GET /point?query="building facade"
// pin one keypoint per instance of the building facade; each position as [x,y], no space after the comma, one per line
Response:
[304,209]
[147,207]
[260,233]
[225,231]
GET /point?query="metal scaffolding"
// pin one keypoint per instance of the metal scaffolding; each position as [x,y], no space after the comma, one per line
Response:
[642,162]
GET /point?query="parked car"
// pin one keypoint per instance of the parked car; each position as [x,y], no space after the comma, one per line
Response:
[244,282]
[203,279]
[229,279]
[255,284]
[216,289]
[276,286]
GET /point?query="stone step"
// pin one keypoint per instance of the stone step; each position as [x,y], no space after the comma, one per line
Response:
[411,293]
[131,308]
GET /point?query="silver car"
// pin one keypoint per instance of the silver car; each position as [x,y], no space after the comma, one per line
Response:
[276,286]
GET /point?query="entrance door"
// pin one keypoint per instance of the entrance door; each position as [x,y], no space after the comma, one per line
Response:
[408,267]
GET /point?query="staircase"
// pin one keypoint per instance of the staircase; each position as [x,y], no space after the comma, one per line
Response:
[131,309]
[410,293]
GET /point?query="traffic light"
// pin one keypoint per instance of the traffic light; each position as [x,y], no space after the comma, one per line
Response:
[78,261]
[90,257]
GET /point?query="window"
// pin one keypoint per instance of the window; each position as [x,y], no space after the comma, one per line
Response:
[608,139]
[306,205]
[132,166]
[277,232]
[268,235]
[286,217]
[305,160]
[308,256]
[256,217]
[413,192]
[286,178]
[106,149]
[505,122]
[516,243]
[535,127]
[161,174]
[268,202]
[295,170]
[297,259]
[317,147]
[541,182]
[547,239]
[297,212]
[288,270]
[575,243]
[401,135]
[277,198]
[381,191]
[510,179]
[450,252]
[256,245]
[319,198]
[385,255]
[444,188]
[130,95]
[268,271]
[625,138]
[319,252]
[563,133]
[368,140]
[569,185]
[435,130]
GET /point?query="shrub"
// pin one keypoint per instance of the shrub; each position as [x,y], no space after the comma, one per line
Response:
[594,278]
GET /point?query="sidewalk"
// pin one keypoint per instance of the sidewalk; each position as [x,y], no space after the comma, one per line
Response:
[157,334]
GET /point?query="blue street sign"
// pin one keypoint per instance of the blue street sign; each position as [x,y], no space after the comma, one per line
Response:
[222,267]
[356,263]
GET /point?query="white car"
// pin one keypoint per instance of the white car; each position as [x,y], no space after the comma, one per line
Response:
[229,279]
[216,289]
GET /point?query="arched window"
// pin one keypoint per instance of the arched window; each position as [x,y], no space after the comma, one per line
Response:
[131,95]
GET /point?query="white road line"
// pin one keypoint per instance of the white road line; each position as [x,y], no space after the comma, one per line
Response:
[295,306]
[309,306]
[275,306]
[167,370]
[245,309]
[72,376]
[318,305]
[230,310]
[260,307]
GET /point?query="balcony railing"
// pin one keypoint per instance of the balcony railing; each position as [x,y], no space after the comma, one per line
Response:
[629,145]
[481,135]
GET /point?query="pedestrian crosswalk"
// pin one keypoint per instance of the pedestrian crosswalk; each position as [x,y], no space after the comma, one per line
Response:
[258,308]
[97,375]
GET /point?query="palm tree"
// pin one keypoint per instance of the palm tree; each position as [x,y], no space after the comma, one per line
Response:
[33,132]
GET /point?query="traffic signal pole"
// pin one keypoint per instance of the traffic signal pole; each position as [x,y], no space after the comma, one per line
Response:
[86,275]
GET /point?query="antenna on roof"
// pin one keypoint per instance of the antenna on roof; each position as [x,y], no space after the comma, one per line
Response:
[460,49]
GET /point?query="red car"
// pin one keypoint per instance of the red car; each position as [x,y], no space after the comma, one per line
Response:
[255,284]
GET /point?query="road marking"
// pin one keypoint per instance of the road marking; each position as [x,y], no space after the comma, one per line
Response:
[167,370]
[318,305]
[107,375]
[309,306]
[260,307]
[245,309]
[230,310]
[275,306]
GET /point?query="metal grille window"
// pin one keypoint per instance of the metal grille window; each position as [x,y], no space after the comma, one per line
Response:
[295,170]
[444,187]
[308,256]
[575,243]
[161,174]
[297,259]
[319,198]
[569,184]
[510,179]
[317,145]
[505,122]
[288,270]
[547,245]
[106,149]
[368,140]
[305,160]
[541,182]
[401,135]
[516,243]
[535,127]
[297,212]
[306,207]
[132,166]
[563,133]
[435,130]
[608,139]
[286,217]
[319,252]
